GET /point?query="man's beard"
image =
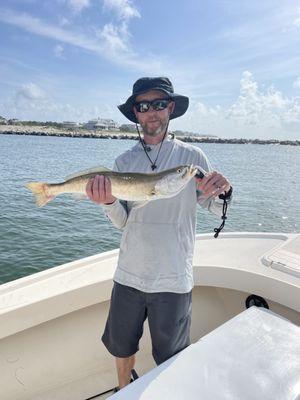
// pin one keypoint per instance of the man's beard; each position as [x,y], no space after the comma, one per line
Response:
[155,132]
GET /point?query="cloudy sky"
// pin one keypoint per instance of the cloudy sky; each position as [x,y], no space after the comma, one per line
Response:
[238,61]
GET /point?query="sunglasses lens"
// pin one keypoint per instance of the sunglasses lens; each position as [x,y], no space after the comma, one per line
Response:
[160,104]
[157,105]
[143,106]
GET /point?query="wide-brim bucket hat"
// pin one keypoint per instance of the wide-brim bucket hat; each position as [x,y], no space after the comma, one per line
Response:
[164,84]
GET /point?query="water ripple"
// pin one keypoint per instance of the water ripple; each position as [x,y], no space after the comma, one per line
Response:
[266,182]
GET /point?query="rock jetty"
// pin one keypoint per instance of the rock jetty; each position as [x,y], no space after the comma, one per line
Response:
[100,134]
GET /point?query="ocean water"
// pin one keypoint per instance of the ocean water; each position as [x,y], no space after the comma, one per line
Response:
[266,181]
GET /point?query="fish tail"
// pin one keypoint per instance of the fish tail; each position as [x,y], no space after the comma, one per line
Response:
[39,189]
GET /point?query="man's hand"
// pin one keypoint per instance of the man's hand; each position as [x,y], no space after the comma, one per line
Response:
[98,190]
[213,184]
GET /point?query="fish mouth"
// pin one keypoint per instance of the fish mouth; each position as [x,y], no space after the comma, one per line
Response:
[190,171]
[193,170]
[185,172]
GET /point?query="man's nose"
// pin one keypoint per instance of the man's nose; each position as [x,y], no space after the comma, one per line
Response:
[151,110]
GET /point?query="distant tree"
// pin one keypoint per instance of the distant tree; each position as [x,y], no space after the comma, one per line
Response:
[177,132]
[128,128]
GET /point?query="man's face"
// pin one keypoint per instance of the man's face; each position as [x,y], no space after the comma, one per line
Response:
[154,123]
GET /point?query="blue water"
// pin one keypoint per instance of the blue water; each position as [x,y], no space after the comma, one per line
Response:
[266,181]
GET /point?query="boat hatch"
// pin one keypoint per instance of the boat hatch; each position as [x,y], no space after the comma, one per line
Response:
[285,258]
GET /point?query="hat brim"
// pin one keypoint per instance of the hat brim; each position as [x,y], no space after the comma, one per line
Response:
[181,105]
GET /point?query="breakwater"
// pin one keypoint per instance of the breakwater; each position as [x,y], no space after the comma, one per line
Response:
[80,133]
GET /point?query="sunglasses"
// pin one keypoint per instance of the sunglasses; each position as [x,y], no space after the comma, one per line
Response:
[157,105]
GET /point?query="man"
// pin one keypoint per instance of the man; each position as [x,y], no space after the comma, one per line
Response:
[154,276]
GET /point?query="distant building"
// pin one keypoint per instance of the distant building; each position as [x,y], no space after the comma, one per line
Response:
[3,121]
[101,123]
[70,124]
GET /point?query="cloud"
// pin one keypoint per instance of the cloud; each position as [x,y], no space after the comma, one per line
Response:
[296,21]
[117,37]
[63,21]
[31,91]
[267,111]
[35,25]
[124,9]
[78,5]
[111,42]
[114,38]
[203,111]
[28,97]
[296,84]
[18,63]
[31,102]
[59,51]
[253,107]
[254,114]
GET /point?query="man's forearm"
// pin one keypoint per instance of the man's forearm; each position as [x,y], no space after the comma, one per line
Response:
[117,213]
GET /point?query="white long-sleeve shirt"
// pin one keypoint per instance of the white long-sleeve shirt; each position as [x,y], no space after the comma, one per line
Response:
[157,244]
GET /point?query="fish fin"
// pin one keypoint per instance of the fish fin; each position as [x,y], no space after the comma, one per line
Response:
[39,189]
[88,171]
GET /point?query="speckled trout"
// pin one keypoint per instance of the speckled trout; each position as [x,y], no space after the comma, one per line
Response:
[130,186]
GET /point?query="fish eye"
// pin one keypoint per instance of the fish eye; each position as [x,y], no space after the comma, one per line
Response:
[179,170]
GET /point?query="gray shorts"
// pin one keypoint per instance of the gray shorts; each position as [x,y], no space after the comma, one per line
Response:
[169,318]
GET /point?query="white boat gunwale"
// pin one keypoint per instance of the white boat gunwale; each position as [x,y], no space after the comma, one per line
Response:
[49,294]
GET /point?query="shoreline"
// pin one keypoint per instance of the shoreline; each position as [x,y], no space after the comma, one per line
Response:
[80,133]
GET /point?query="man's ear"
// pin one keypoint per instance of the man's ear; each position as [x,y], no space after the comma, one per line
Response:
[172,106]
[135,112]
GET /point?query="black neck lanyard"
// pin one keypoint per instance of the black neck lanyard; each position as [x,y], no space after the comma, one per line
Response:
[224,196]
[153,164]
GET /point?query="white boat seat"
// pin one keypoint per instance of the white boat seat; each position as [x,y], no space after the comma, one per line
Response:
[285,258]
[255,355]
